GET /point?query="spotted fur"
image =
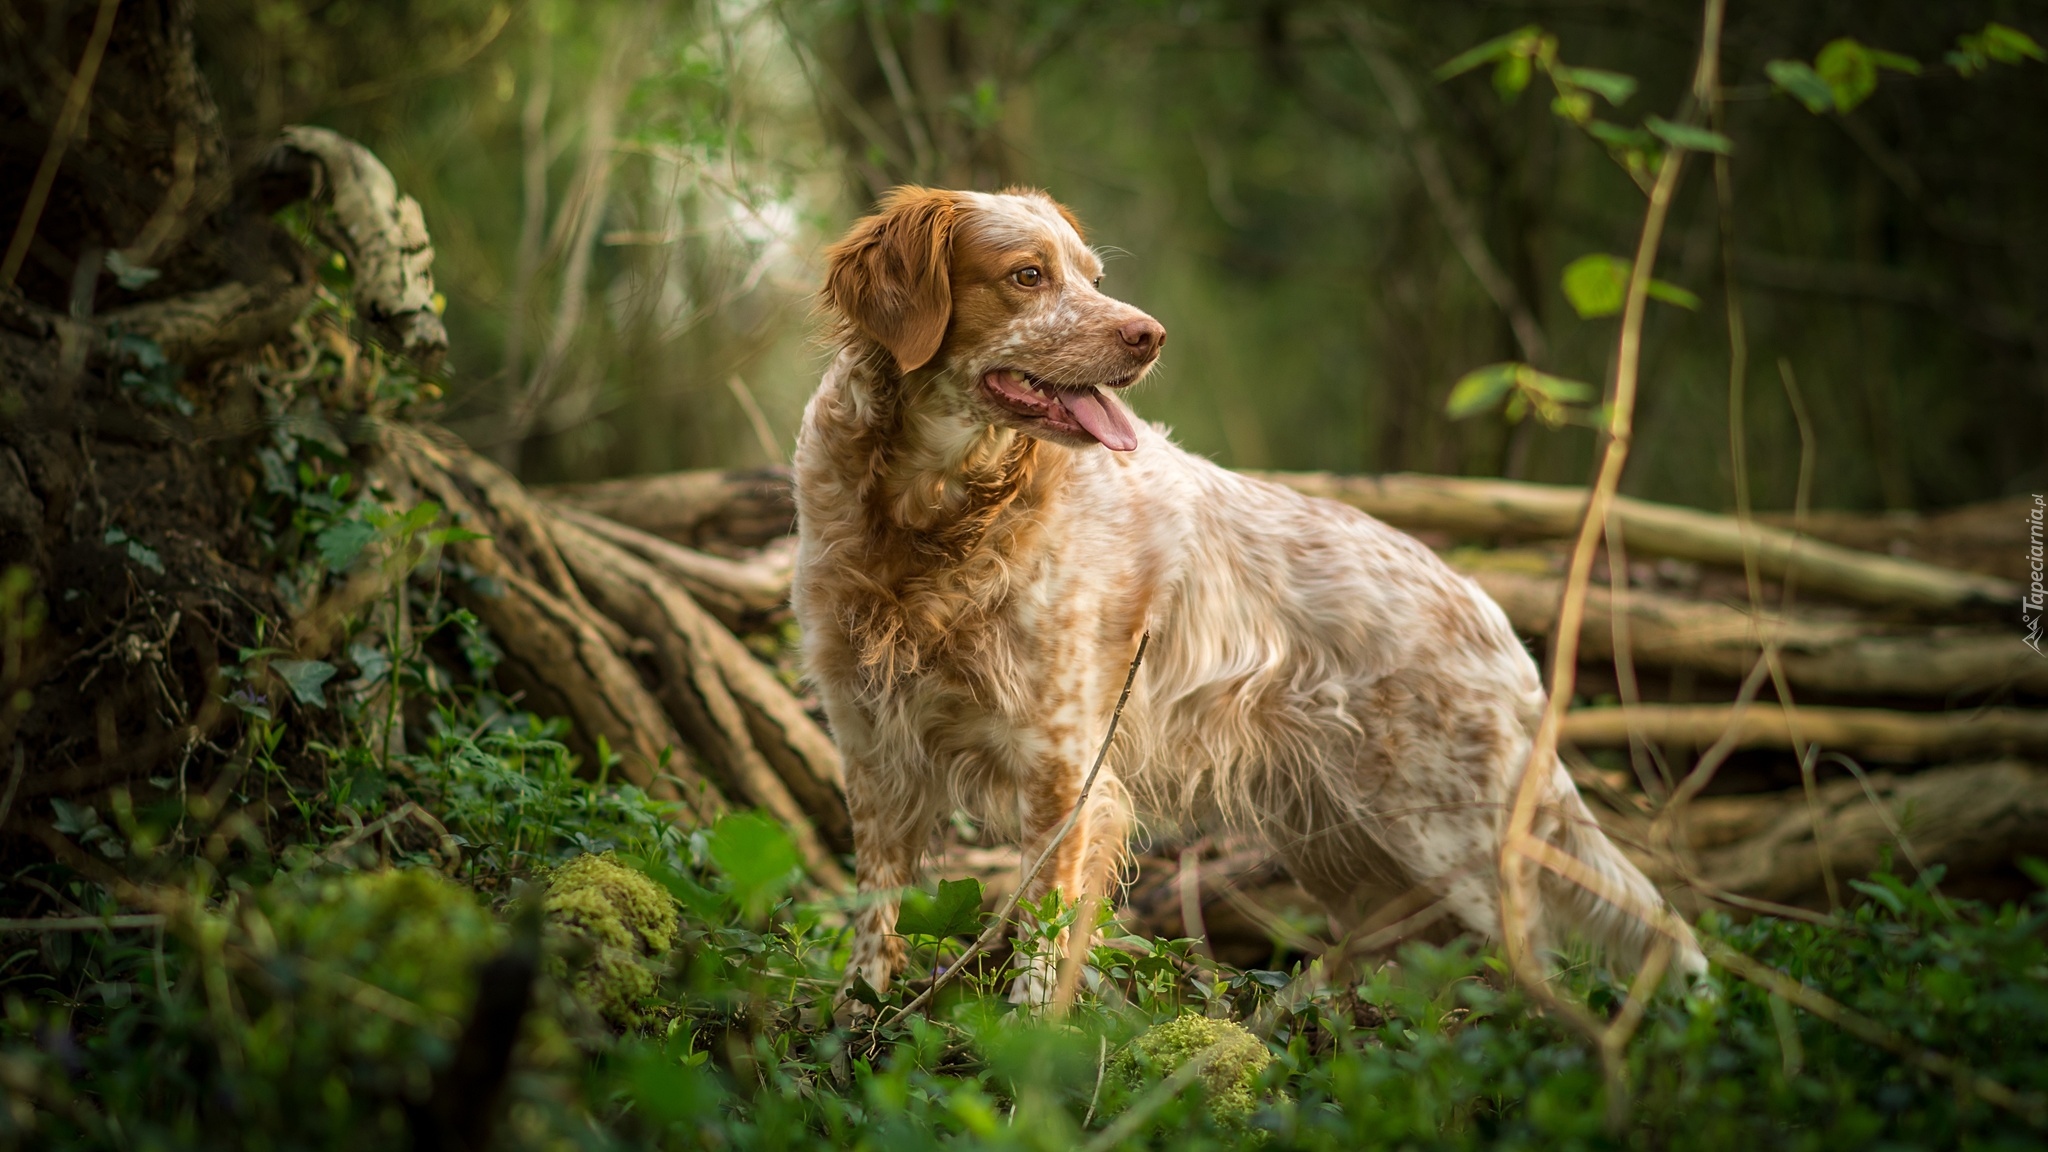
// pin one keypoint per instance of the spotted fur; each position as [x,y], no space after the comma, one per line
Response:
[972,585]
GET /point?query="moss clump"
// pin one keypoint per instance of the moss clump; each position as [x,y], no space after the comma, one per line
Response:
[621,920]
[1227,1081]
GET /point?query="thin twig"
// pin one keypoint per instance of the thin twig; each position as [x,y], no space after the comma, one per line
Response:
[1000,924]
[2027,1106]
[61,132]
[1515,895]
[13,781]
[1101,1065]
[900,91]
[1451,210]
[82,923]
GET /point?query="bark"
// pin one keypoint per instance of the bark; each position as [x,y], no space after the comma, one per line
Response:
[1847,657]
[378,230]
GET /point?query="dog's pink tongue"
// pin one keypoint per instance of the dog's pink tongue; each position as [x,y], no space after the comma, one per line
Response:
[1103,419]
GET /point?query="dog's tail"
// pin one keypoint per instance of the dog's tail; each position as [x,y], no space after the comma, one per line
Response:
[1627,926]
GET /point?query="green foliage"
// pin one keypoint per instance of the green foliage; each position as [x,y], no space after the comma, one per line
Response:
[1975,51]
[1596,284]
[1524,388]
[954,911]
[758,859]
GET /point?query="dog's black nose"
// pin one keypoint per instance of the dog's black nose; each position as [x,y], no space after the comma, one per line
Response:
[1145,336]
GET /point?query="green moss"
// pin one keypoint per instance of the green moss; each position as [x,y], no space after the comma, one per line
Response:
[622,920]
[1228,1079]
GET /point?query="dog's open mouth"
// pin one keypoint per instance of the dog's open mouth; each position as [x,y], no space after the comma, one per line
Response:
[1083,411]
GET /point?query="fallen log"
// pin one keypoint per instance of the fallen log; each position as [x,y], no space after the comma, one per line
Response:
[1902,737]
[1970,818]
[1498,507]
[686,643]
[1848,657]
[747,509]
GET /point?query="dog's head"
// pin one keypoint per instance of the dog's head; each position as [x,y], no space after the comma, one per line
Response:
[996,299]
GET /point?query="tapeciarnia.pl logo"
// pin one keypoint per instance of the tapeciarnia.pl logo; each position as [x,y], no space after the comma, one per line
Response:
[2035,601]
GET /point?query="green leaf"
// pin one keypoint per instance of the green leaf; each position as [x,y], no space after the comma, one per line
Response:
[1619,136]
[2036,870]
[1689,137]
[955,911]
[1511,76]
[341,542]
[306,679]
[130,276]
[2009,45]
[1849,71]
[1596,284]
[1576,107]
[372,663]
[1802,83]
[1894,61]
[1614,87]
[1480,389]
[419,517]
[1555,388]
[1672,294]
[1521,41]
[1881,894]
[757,857]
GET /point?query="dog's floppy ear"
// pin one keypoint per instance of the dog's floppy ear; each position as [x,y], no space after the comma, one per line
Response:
[889,276]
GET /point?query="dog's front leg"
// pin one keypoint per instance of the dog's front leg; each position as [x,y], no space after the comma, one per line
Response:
[889,836]
[1082,865]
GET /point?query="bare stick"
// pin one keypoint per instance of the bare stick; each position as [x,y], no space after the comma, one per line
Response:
[61,132]
[1001,923]
[1454,213]
[1565,659]
[82,923]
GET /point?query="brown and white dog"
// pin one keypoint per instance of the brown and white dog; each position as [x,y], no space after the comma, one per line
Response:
[984,533]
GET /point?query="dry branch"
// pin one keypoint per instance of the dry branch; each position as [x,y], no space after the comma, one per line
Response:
[203,326]
[743,509]
[1873,732]
[1841,656]
[687,643]
[1508,507]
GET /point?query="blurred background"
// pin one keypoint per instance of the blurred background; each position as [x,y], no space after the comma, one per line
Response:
[629,197]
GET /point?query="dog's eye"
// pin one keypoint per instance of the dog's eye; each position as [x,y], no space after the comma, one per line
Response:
[1027,277]
[1098,283]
